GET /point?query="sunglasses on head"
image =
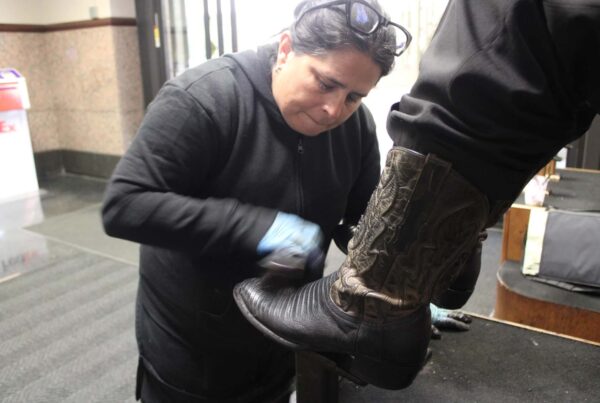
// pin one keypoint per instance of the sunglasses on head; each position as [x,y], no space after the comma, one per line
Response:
[364,19]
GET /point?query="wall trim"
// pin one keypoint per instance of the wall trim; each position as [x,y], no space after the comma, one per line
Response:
[67,26]
[22,28]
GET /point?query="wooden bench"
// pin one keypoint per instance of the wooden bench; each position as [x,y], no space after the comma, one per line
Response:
[522,300]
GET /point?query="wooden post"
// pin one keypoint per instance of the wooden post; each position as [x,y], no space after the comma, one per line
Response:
[549,169]
[516,220]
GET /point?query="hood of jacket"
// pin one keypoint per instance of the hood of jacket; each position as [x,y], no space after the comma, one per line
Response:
[257,66]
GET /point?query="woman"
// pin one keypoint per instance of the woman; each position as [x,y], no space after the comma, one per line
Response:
[228,158]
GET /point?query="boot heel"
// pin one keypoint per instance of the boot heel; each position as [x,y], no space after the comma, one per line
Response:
[335,363]
[382,374]
[363,370]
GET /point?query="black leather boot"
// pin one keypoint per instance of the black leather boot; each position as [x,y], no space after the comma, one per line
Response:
[421,224]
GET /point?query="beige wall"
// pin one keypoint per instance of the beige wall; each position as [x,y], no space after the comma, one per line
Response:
[27,53]
[59,11]
[85,86]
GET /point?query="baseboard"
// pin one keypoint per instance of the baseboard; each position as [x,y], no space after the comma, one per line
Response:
[48,163]
[54,162]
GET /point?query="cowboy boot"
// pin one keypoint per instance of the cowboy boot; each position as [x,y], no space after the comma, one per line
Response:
[420,225]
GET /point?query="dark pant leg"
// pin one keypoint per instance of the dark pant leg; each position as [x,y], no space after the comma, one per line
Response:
[459,292]
[151,390]
[247,368]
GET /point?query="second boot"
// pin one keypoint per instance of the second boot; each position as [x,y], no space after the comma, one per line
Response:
[421,224]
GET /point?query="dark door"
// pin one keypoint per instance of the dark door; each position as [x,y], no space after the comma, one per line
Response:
[177,34]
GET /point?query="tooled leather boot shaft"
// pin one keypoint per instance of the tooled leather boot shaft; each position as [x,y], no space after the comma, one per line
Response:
[421,223]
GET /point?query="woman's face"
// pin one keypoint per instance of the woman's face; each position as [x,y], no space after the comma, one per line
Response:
[318,93]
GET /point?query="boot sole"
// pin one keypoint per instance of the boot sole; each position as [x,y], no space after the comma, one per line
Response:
[263,329]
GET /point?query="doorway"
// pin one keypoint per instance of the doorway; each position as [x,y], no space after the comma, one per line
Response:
[175,35]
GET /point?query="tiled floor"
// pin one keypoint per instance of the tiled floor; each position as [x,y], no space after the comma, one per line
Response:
[68,212]
[66,305]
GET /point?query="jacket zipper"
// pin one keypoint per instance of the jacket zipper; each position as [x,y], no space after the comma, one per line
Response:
[299,176]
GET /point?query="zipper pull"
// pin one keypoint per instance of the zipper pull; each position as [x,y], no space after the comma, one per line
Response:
[300,146]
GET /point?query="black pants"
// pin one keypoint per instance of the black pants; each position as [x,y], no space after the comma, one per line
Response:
[151,390]
[215,365]
[493,96]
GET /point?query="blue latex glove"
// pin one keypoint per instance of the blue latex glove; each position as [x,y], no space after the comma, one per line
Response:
[291,232]
[447,319]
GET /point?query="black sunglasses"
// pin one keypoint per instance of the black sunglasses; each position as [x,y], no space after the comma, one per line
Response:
[364,19]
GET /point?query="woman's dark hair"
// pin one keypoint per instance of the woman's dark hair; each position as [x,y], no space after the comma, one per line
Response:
[326,29]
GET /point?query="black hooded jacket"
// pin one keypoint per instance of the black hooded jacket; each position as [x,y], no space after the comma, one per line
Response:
[212,164]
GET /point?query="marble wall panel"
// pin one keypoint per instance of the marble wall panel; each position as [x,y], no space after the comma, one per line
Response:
[129,81]
[90,131]
[84,66]
[128,71]
[26,52]
[130,123]
[85,86]
[43,127]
